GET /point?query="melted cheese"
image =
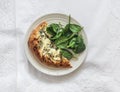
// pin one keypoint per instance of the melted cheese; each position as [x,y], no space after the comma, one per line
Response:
[55,53]
[46,49]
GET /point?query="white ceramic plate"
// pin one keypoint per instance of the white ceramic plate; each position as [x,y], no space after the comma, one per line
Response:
[54,18]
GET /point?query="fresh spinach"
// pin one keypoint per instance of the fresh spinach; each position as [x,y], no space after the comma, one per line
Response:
[50,31]
[63,39]
[55,27]
[79,46]
[62,45]
[67,38]
[58,34]
[75,28]
[72,43]
[67,31]
[67,54]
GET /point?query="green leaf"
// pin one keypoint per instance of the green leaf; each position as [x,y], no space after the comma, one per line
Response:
[56,36]
[67,31]
[75,28]
[55,27]
[63,45]
[67,54]
[79,39]
[79,46]
[72,42]
[59,33]
[63,39]
[50,31]
[67,27]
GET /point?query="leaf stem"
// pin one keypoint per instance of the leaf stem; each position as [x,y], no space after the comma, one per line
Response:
[69,19]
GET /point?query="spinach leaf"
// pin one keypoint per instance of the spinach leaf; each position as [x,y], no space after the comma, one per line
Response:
[67,54]
[75,28]
[60,40]
[79,48]
[59,33]
[66,28]
[56,36]
[63,39]
[55,27]
[79,45]
[50,31]
[63,45]
[72,42]
[67,31]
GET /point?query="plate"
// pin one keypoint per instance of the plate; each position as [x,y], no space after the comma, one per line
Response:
[54,18]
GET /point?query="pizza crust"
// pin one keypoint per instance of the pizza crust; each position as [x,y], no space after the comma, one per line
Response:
[35,48]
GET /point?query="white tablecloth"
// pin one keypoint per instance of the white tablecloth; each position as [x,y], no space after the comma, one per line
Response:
[99,73]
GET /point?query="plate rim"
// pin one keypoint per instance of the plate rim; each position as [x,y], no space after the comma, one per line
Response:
[26,45]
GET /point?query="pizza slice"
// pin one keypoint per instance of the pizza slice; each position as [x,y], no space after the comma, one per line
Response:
[41,46]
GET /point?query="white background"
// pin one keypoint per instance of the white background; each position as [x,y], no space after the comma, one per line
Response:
[99,73]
